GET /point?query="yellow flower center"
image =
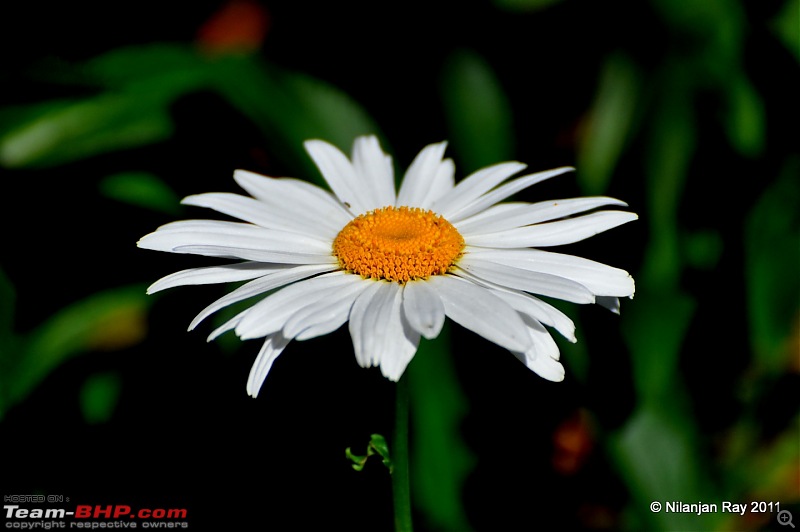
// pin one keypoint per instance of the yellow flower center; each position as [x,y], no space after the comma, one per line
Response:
[398,244]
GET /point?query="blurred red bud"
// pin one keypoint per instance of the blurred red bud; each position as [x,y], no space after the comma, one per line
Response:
[239,26]
[572,443]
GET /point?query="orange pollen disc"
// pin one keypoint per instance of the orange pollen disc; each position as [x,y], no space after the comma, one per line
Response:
[398,244]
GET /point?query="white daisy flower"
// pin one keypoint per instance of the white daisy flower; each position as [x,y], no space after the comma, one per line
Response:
[392,264]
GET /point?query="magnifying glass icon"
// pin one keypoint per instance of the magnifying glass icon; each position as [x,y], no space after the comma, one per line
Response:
[785,518]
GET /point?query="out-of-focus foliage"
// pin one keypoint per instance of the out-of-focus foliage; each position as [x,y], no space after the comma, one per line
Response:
[660,111]
[98,396]
[610,123]
[105,321]
[479,115]
[58,132]
[136,87]
[786,27]
[142,189]
[772,260]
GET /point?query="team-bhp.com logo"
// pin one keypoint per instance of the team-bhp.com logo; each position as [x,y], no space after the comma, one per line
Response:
[83,511]
[94,516]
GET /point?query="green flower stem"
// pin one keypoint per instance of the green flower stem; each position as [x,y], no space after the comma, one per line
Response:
[401,491]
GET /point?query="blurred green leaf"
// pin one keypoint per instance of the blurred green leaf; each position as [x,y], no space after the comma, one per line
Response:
[611,122]
[478,112]
[670,148]
[70,130]
[439,460]
[787,26]
[654,326]
[332,115]
[12,117]
[290,108]
[657,455]
[261,95]
[141,189]
[174,65]
[745,121]
[99,396]
[660,314]
[143,82]
[772,262]
[710,34]
[107,320]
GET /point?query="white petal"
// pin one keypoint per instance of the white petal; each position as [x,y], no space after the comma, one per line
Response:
[218,238]
[227,273]
[553,233]
[423,308]
[362,321]
[543,344]
[375,169]
[540,311]
[321,327]
[543,355]
[324,316]
[530,281]
[296,199]
[379,324]
[381,337]
[547,368]
[340,175]
[496,218]
[273,346]
[229,252]
[271,314]
[238,241]
[490,216]
[529,305]
[227,326]
[475,185]
[601,279]
[261,285]
[477,309]
[443,182]
[503,192]
[260,213]
[396,340]
[401,349]
[420,175]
